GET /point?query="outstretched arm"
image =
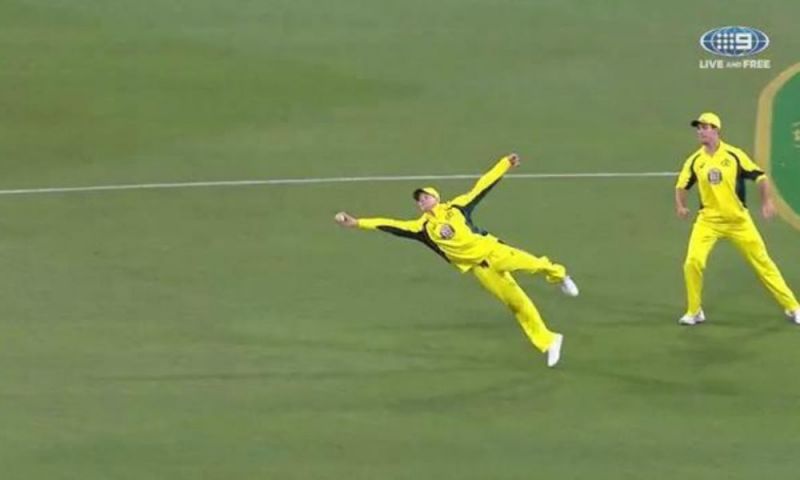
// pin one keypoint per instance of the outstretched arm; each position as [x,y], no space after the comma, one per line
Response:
[486,182]
[402,228]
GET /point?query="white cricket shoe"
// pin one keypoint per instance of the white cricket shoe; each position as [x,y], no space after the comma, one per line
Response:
[690,320]
[794,316]
[554,352]
[569,287]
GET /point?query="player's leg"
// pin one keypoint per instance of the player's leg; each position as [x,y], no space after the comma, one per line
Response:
[701,241]
[506,258]
[750,243]
[503,286]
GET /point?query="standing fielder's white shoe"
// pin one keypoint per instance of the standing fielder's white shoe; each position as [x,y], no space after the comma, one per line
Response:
[554,352]
[701,317]
[569,287]
[690,320]
[794,316]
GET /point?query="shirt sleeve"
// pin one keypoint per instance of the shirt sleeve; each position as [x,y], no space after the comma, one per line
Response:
[749,169]
[401,228]
[483,185]
[687,178]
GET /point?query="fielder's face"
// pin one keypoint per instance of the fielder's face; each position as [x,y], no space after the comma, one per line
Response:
[426,202]
[707,134]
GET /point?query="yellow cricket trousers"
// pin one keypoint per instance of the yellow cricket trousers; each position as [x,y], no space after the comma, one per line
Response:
[495,276]
[748,241]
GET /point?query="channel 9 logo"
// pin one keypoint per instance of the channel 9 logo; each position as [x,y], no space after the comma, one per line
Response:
[734,41]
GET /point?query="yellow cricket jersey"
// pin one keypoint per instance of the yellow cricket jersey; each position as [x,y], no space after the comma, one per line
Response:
[448,228]
[720,179]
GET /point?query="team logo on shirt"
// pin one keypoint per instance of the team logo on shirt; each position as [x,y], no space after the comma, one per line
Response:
[714,176]
[446,231]
[778,140]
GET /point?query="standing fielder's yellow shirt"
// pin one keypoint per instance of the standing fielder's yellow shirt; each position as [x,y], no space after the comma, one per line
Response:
[720,180]
[448,228]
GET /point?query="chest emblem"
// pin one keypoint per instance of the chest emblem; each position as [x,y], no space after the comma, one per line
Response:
[715,176]
[446,231]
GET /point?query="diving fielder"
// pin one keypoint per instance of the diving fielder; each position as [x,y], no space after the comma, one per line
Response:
[447,228]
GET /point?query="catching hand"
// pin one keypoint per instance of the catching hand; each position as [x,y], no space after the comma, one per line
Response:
[346,220]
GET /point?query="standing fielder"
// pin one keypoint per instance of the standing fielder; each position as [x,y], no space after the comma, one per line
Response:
[719,170]
[447,229]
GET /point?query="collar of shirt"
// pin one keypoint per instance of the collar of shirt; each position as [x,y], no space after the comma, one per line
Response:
[437,212]
[721,151]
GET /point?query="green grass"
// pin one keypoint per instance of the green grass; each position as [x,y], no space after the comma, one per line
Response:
[236,333]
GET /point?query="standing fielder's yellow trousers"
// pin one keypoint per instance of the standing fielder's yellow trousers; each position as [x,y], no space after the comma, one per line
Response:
[495,276]
[749,242]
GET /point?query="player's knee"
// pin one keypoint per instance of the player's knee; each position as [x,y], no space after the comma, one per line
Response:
[763,261]
[693,264]
[760,259]
[515,307]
